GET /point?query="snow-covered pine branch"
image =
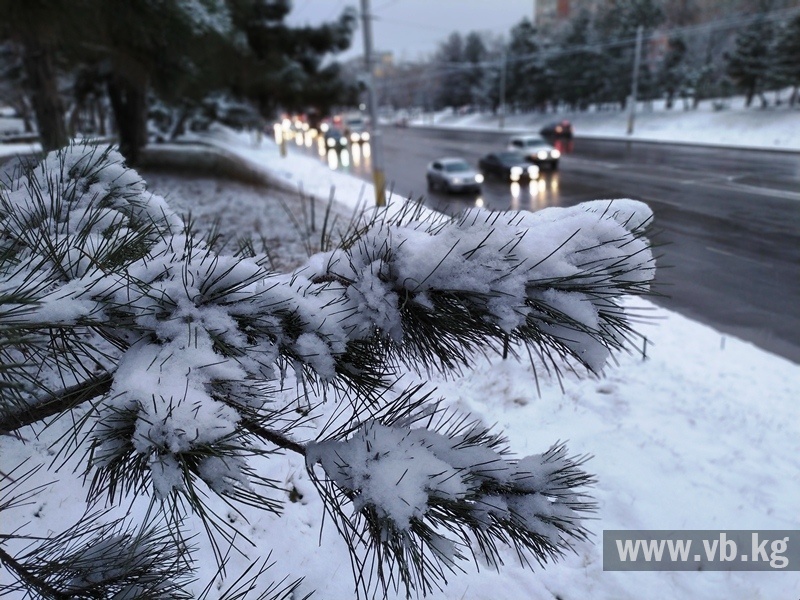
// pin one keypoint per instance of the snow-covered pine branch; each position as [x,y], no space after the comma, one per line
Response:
[428,488]
[172,353]
[441,289]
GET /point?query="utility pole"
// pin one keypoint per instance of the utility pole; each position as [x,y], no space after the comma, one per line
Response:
[637,59]
[503,91]
[378,174]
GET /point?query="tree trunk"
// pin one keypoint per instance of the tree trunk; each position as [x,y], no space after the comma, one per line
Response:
[179,127]
[38,61]
[74,119]
[100,111]
[129,103]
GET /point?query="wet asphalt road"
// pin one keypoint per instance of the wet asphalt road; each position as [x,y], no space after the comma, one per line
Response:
[727,221]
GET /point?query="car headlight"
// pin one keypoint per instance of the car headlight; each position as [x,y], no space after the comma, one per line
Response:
[516,173]
[324,127]
[365,137]
[331,142]
[542,154]
[478,178]
[555,153]
[342,140]
[533,172]
[354,137]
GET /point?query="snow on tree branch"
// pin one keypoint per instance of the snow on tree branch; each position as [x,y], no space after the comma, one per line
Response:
[421,499]
[438,291]
[174,353]
[415,489]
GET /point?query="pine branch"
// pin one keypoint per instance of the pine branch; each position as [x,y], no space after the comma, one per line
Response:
[55,404]
[274,437]
[427,485]
[192,345]
[93,559]
[30,580]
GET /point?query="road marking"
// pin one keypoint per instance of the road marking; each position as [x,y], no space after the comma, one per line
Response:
[738,256]
[764,191]
[667,174]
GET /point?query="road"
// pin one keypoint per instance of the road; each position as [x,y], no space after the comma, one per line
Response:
[727,222]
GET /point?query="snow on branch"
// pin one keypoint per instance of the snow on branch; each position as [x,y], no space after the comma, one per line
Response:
[175,354]
[97,559]
[437,292]
[424,495]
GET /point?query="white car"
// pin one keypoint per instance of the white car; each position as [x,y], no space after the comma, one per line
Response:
[356,130]
[453,175]
[536,149]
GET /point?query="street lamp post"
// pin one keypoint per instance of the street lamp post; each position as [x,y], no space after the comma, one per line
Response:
[637,59]
[378,174]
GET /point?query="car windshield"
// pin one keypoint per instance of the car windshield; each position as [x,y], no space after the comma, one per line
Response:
[456,167]
[511,157]
[534,142]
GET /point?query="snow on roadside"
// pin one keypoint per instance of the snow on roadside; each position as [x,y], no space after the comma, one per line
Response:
[773,128]
[241,210]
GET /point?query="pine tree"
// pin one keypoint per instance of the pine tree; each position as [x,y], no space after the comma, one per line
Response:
[673,74]
[617,25]
[454,86]
[751,63]
[284,66]
[37,29]
[12,84]
[577,66]
[160,367]
[179,51]
[528,87]
[475,54]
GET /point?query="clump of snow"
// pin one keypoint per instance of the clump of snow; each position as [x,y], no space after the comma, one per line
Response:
[410,477]
[389,470]
[224,474]
[207,15]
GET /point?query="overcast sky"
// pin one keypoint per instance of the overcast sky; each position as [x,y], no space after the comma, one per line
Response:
[413,28]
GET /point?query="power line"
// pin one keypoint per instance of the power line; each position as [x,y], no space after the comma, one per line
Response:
[384,5]
[337,9]
[412,24]
[549,53]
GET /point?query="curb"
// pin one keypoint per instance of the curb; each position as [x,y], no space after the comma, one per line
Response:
[199,156]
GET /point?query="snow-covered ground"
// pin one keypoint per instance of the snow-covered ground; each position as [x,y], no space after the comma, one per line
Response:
[702,434]
[775,128]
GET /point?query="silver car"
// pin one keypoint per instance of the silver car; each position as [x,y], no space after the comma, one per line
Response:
[356,130]
[453,175]
[536,149]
